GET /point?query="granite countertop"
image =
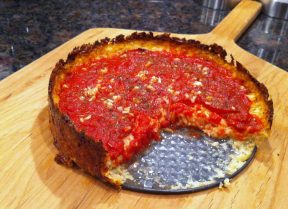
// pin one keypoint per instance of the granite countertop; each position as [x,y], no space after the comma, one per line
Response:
[29,29]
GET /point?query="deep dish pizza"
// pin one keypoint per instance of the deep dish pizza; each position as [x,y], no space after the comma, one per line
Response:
[110,99]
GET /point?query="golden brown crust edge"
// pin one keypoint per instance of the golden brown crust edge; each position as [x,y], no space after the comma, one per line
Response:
[76,147]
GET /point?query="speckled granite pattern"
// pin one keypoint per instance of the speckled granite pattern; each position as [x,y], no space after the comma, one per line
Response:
[29,29]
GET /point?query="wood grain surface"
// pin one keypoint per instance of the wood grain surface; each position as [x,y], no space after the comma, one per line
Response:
[29,177]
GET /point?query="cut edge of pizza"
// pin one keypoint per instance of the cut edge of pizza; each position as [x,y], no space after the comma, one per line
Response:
[110,99]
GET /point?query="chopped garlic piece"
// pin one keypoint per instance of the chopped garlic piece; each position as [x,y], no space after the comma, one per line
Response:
[197,83]
[91,99]
[150,87]
[86,118]
[126,110]
[116,97]
[148,64]
[142,74]
[170,89]
[89,91]
[155,79]
[120,108]
[205,70]
[104,70]
[193,99]
[127,140]
[108,103]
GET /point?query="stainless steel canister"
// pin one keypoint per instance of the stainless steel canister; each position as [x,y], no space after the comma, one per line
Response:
[272,8]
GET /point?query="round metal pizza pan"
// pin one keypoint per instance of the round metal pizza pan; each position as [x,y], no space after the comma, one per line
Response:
[185,163]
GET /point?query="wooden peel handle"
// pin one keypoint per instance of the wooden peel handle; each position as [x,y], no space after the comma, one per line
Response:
[238,20]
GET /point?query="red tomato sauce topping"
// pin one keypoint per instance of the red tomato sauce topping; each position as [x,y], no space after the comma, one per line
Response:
[125,100]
